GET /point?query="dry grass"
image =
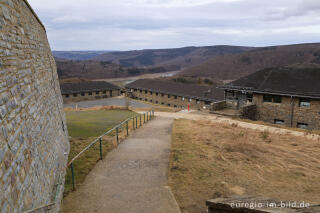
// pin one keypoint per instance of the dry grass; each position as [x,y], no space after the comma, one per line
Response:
[210,160]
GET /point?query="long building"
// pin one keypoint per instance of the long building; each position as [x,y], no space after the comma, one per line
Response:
[91,90]
[285,96]
[173,94]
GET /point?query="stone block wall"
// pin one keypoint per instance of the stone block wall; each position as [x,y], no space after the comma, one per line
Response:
[268,112]
[170,100]
[33,134]
[85,96]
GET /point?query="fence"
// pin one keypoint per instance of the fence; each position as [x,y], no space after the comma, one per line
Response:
[137,121]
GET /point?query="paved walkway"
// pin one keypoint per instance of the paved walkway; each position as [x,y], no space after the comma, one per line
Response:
[132,178]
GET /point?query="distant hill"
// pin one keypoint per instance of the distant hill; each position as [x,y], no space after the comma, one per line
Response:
[89,69]
[77,55]
[178,57]
[231,67]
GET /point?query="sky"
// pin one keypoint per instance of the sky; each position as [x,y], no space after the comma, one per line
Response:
[150,24]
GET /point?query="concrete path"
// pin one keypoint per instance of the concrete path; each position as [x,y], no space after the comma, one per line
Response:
[132,178]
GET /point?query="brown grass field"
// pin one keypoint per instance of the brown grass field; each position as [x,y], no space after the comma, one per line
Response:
[211,160]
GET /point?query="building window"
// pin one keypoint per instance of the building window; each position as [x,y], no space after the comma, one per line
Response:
[104,92]
[140,99]
[90,93]
[82,94]
[67,96]
[75,94]
[272,98]
[157,102]
[162,94]
[169,105]
[140,91]
[278,121]
[135,90]
[302,125]
[150,93]
[198,102]
[146,99]
[267,98]
[97,93]
[175,106]
[146,92]
[304,102]
[175,97]
[150,101]
[190,99]
[111,93]
[249,98]
[162,103]
[169,96]
[182,99]
[157,94]
[207,103]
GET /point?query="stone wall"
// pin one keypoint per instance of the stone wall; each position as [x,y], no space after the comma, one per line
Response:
[85,96]
[268,112]
[170,100]
[33,134]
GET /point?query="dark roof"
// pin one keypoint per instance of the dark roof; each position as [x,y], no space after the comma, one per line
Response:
[179,89]
[90,86]
[285,81]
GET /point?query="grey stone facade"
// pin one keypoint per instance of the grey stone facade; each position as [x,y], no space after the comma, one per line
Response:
[33,134]
[289,111]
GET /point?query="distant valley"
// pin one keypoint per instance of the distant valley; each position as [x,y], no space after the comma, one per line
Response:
[211,63]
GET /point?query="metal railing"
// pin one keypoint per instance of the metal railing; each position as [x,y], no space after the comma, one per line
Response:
[136,122]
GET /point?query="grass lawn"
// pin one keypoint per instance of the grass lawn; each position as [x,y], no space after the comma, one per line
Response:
[220,160]
[84,127]
[94,123]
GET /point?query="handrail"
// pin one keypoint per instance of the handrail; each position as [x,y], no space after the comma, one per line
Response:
[70,164]
[146,117]
[96,140]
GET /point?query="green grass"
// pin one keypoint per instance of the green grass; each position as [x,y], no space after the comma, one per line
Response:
[86,126]
[93,123]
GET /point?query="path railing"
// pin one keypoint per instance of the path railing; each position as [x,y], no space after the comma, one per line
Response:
[137,121]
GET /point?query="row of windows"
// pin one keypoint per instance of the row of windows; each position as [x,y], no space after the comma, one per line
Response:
[162,103]
[303,102]
[299,125]
[89,93]
[162,95]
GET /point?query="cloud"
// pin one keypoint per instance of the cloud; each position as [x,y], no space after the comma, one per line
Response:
[139,24]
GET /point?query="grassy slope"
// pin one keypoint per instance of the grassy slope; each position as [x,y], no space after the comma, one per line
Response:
[217,160]
[84,127]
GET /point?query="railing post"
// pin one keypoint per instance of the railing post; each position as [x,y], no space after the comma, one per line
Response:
[100,143]
[72,177]
[147,116]
[127,128]
[137,121]
[117,132]
[133,122]
[140,119]
[144,117]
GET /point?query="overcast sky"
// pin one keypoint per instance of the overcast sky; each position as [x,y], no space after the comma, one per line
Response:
[145,24]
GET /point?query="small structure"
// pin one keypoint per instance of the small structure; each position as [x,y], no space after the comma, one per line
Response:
[73,92]
[285,96]
[173,94]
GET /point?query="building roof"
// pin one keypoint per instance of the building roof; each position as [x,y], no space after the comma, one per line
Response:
[90,86]
[184,90]
[283,81]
